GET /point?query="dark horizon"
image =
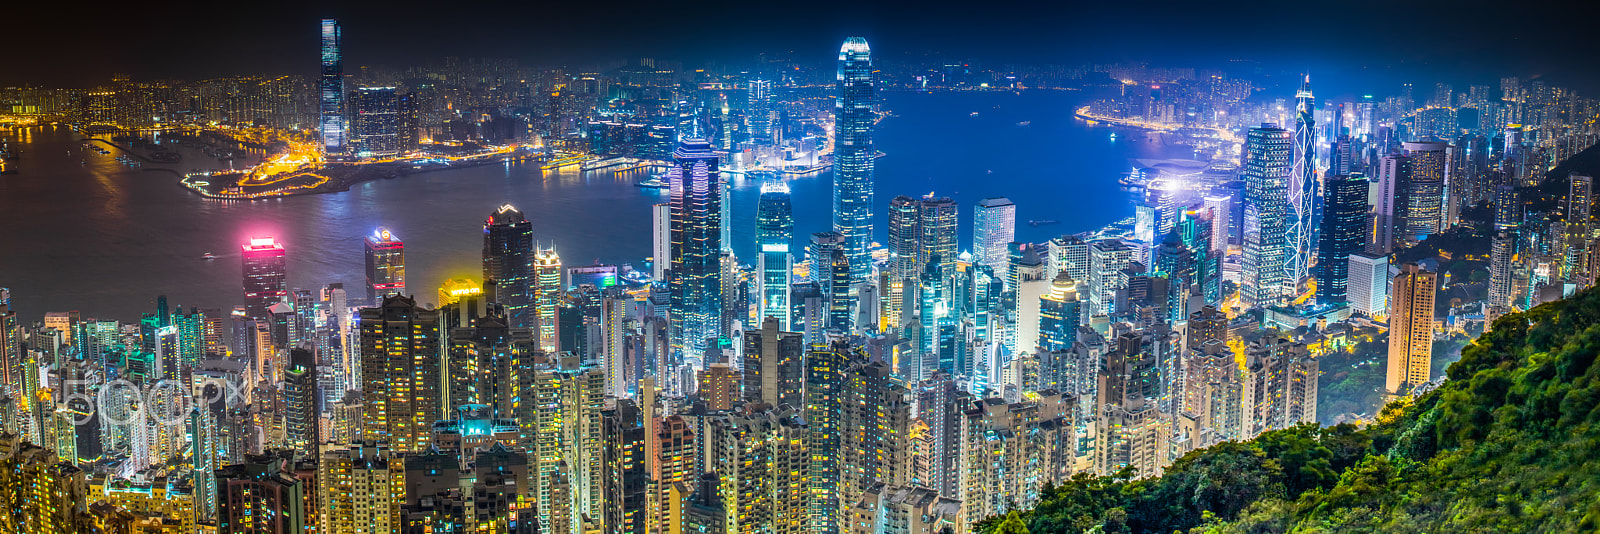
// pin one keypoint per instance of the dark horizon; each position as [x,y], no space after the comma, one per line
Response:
[1458,42]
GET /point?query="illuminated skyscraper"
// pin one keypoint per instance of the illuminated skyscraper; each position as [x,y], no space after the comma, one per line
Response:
[772,359]
[853,152]
[1303,198]
[261,495]
[994,225]
[830,271]
[332,85]
[1580,202]
[375,126]
[1394,172]
[400,374]
[775,232]
[660,241]
[508,263]
[546,291]
[1059,314]
[265,283]
[1411,329]
[1424,190]
[1368,287]
[300,402]
[1344,232]
[1267,270]
[758,112]
[937,218]
[695,271]
[11,362]
[357,486]
[386,266]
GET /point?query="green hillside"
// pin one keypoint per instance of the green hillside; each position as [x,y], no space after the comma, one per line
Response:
[1509,444]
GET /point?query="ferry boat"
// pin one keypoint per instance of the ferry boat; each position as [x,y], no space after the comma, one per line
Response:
[653,183]
[208,256]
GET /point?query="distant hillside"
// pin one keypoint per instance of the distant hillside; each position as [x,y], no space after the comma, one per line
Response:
[1554,186]
[1511,443]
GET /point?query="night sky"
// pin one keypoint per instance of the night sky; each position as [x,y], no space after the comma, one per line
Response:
[76,44]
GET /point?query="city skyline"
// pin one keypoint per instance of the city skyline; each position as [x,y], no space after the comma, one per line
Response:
[857,295]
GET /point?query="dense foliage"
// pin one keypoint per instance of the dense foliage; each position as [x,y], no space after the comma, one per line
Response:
[1508,444]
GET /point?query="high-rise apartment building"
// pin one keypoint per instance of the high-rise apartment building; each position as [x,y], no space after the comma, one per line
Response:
[400,370]
[1279,386]
[1411,328]
[359,489]
[386,266]
[261,495]
[1580,222]
[772,365]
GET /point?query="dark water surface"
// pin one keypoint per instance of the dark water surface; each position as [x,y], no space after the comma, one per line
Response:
[106,239]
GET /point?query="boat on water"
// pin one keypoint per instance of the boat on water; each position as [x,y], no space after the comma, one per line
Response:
[653,183]
[208,256]
[974,114]
[1043,222]
[1024,123]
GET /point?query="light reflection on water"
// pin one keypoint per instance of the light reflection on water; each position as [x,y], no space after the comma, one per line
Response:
[106,239]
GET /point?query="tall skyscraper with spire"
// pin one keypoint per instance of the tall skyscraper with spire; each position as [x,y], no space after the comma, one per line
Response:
[775,232]
[853,153]
[695,271]
[1303,197]
[332,89]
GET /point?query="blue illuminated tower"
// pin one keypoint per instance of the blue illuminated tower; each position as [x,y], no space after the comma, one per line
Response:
[1344,232]
[695,270]
[1303,201]
[332,86]
[853,118]
[775,232]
